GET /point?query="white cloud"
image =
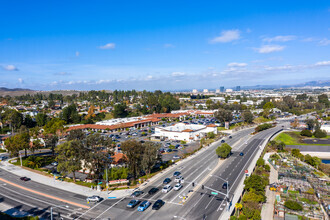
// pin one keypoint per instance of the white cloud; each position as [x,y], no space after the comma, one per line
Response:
[270,48]
[108,46]
[324,42]
[280,38]
[62,73]
[20,80]
[178,74]
[77,53]
[150,77]
[10,68]
[322,63]
[237,64]
[227,36]
[285,67]
[169,46]
[308,39]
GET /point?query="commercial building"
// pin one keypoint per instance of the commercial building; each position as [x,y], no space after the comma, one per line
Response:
[238,88]
[222,88]
[184,132]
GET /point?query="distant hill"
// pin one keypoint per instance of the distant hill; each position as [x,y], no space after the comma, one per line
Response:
[4,89]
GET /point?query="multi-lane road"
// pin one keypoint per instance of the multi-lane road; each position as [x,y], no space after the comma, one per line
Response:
[197,169]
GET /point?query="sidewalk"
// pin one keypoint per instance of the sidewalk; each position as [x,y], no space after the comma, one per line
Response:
[70,187]
[267,210]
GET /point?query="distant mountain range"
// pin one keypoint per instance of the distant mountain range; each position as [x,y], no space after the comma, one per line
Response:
[4,89]
[320,83]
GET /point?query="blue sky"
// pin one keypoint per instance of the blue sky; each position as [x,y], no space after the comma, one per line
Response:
[167,45]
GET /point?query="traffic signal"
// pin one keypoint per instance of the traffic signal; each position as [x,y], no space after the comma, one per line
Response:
[193,184]
[202,186]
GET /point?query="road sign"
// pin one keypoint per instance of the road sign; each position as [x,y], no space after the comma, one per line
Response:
[111,197]
[214,193]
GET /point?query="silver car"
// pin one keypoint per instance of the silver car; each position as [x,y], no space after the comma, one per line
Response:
[93,199]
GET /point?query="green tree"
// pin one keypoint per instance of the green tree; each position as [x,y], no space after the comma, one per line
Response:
[324,100]
[260,162]
[306,133]
[223,115]
[247,117]
[54,125]
[293,205]
[150,156]
[268,105]
[120,111]
[36,144]
[69,157]
[51,141]
[223,151]
[41,119]
[320,133]
[255,182]
[133,151]
[70,114]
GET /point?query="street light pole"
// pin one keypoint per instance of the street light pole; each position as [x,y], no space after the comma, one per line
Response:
[51,210]
[20,157]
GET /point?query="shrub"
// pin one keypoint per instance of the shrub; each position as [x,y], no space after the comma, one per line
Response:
[293,205]
[267,168]
[320,133]
[306,133]
[260,162]
[263,127]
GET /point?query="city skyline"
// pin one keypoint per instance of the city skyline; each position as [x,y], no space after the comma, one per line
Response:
[172,46]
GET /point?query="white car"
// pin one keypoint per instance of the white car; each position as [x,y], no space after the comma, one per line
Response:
[177,187]
[93,199]
[178,179]
[167,188]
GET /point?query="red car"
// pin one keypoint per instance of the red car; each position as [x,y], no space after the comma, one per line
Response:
[24,178]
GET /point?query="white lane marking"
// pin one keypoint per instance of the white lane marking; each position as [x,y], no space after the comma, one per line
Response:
[209,202]
[220,205]
[92,208]
[199,200]
[189,184]
[107,208]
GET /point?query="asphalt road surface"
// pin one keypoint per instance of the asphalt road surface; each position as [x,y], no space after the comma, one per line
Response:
[201,203]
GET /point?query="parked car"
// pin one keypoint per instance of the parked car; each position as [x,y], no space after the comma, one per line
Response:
[133,203]
[24,178]
[178,179]
[153,191]
[143,206]
[167,181]
[176,157]
[166,189]
[55,163]
[93,199]
[176,173]
[158,204]
[177,186]
[136,194]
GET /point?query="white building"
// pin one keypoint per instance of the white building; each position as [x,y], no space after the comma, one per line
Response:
[195,91]
[184,132]
[326,127]
[229,90]
[218,99]
[205,90]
